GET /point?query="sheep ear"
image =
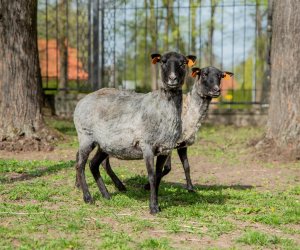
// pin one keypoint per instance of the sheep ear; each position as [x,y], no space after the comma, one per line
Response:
[195,72]
[191,60]
[227,75]
[155,58]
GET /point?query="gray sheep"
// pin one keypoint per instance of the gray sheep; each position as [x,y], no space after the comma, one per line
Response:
[195,107]
[132,126]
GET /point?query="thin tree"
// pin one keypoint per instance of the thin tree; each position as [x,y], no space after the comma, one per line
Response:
[62,40]
[283,125]
[20,78]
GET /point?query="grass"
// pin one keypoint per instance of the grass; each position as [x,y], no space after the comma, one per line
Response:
[262,239]
[45,211]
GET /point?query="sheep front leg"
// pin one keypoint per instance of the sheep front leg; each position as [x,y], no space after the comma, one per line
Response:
[83,155]
[160,163]
[149,160]
[166,170]
[182,152]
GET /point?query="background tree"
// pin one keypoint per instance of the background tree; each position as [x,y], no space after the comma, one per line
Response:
[62,41]
[211,26]
[284,117]
[20,79]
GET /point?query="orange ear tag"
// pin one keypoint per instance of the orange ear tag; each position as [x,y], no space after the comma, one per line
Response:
[194,74]
[190,63]
[155,59]
[227,77]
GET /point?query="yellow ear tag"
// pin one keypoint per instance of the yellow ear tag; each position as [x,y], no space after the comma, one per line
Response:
[227,77]
[155,59]
[190,63]
[194,74]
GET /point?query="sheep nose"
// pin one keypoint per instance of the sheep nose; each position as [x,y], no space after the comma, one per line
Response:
[216,88]
[172,77]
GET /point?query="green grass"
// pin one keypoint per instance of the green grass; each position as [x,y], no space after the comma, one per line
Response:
[44,210]
[262,239]
[64,126]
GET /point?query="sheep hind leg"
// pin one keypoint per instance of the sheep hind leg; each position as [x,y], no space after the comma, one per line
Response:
[166,170]
[98,158]
[182,152]
[118,183]
[77,181]
[82,156]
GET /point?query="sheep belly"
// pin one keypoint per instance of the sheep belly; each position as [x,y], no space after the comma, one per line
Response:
[123,123]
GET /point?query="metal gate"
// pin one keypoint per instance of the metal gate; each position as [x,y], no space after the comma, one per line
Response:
[85,45]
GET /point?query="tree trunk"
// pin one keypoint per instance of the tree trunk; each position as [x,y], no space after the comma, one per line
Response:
[284,117]
[20,78]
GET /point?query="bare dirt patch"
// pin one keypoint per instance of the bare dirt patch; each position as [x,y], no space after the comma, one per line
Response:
[57,154]
[237,176]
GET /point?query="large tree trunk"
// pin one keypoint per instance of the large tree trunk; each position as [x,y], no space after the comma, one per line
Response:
[20,79]
[284,114]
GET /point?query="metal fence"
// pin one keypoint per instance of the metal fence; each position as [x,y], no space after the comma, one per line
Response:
[85,45]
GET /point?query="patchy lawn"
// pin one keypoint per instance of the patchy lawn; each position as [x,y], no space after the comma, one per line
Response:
[241,201]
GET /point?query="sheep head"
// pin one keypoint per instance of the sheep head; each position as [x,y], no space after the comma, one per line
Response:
[208,81]
[173,68]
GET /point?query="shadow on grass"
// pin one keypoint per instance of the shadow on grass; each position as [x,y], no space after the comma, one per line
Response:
[14,177]
[174,194]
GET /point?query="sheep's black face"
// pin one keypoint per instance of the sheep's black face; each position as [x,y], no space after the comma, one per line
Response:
[173,68]
[209,80]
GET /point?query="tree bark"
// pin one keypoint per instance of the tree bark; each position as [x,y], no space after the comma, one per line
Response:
[283,125]
[20,78]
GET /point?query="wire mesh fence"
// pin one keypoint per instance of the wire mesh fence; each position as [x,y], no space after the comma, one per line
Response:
[85,45]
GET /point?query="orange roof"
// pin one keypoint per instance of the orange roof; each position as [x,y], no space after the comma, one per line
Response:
[53,69]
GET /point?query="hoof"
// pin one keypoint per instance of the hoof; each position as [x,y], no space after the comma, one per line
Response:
[191,190]
[147,186]
[155,210]
[106,196]
[122,189]
[88,199]
[77,185]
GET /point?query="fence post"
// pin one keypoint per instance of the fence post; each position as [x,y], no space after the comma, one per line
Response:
[102,62]
[89,46]
[95,44]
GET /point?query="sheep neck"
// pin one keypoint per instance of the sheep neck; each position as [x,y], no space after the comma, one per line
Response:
[174,96]
[196,111]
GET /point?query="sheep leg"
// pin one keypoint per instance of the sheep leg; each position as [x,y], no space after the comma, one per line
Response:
[149,160]
[166,170]
[182,152]
[77,182]
[118,183]
[160,162]
[83,155]
[94,167]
